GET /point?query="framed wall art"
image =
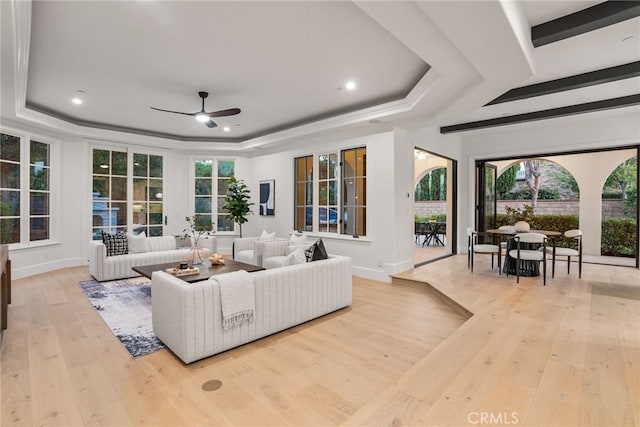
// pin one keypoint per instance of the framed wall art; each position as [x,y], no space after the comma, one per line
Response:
[267,197]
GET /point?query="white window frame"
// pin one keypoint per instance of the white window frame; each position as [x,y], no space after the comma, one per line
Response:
[130,150]
[316,190]
[214,196]
[25,188]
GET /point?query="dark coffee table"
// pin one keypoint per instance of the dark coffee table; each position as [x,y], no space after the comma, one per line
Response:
[206,269]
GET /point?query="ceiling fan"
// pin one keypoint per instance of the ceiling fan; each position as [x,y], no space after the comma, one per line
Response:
[202,115]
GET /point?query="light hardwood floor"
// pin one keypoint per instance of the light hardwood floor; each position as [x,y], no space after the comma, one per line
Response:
[405,353]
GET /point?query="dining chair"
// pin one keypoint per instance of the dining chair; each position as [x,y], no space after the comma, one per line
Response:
[506,229]
[575,239]
[530,247]
[441,232]
[478,248]
[421,229]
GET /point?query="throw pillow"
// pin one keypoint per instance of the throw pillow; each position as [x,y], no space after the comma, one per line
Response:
[295,240]
[297,257]
[116,244]
[267,236]
[316,252]
[138,243]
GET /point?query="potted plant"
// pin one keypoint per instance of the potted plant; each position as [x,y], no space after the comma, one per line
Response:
[236,202]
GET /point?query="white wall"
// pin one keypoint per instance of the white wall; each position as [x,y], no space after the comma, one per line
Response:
[389,201]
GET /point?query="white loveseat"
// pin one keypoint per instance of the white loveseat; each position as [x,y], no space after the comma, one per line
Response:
[162,249]
[187,317]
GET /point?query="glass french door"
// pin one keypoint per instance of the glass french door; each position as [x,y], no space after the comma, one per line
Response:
[486,199]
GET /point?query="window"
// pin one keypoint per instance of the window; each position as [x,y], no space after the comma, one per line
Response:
[342,193]
[25,190]
[113,172]
[147,194]
[354,191]
[328,193]
[303,194]
[39,191]
[211,181]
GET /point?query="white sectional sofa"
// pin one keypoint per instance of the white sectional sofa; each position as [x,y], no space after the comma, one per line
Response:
[161,249]
[188,317]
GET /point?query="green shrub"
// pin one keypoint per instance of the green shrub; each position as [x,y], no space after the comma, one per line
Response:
[630,203]
[618,237]
[618,234]
[610,195]
[560,223]
[506,181]
[434,217]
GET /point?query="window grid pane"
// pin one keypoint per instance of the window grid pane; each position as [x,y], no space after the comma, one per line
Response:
[29,184]
[211,184]
[354,187]
[303,218]
[148,193]
[109,200]
[327,193]
[10,148]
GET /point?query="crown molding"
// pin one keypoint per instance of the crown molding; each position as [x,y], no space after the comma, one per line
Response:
[379,112]
[21,15]
[22,34]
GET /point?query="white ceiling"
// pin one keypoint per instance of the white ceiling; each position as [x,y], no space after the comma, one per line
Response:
[285,63]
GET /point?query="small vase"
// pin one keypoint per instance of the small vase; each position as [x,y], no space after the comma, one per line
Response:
[196,255]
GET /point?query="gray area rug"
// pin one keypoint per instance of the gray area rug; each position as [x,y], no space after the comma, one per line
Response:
[125,306]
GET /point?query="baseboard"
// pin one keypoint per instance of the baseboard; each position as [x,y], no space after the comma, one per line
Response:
[32,270]
[369,273]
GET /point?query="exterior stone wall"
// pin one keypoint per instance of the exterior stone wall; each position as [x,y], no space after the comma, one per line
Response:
[611,208]
[430,208]
[544,207]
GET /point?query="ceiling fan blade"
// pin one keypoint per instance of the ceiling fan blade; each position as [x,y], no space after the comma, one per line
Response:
[210,124]
[176,112]
[223,113]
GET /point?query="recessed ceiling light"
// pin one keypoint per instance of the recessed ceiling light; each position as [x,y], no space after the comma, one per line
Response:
[350,85]
[77,101]
[226,128]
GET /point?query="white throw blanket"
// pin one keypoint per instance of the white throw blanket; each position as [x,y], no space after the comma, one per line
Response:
[237,297]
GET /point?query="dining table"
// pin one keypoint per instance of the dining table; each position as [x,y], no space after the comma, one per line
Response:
[527,268]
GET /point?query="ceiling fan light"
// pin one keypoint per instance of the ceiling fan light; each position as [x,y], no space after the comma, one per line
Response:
[201,117]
